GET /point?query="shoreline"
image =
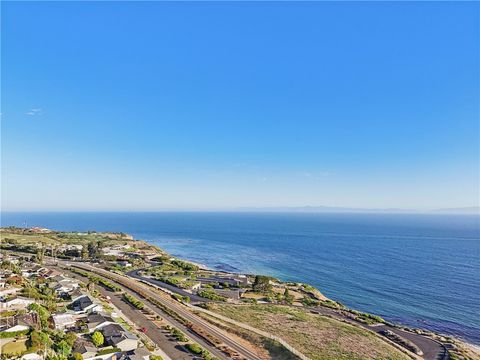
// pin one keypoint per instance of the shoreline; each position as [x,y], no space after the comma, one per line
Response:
[475,347]
[160,250]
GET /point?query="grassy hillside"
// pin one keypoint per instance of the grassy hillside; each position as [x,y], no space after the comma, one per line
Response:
[316,336]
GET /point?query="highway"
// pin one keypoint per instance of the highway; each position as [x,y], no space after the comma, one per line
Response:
[142,290]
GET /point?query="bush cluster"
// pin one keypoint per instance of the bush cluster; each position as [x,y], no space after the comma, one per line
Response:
[211,294]
[136,303]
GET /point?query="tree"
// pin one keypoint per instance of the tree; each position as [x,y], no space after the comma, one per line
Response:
[43,314]
[84,252]
[262,284]
[63,348]
[39,339]
[40,254]
[78,356]
[93,247]
[98,338]
[70,338]
[287,297]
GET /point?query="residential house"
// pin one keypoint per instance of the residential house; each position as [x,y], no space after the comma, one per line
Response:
[49,273]
[97,321]
[8,291]
[31,270]
[115,335]
[32,356]
[84,304]
[16,328]
[64,286]
[63,321]
[16,303]
[30,320]
[141,353]
[85,348]
[76,294]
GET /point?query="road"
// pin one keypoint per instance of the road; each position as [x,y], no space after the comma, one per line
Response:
[431,349]
[160,337]
[193,298]
[179,309]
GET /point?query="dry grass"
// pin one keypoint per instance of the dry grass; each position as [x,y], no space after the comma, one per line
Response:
[15,347]
[316,336]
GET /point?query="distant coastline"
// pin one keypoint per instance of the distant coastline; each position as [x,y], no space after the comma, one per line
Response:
[365,261]
[473,210]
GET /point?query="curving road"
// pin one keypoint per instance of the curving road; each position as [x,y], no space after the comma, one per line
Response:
[432,350]
[179,309]
[193,297]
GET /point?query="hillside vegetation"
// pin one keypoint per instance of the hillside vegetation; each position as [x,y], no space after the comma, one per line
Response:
[318,337]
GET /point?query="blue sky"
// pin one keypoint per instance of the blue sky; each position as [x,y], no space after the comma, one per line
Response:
[208,105]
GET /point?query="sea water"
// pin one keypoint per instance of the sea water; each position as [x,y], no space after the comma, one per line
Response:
[416,269]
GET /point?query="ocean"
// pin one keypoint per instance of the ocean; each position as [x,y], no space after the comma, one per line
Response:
[415,269]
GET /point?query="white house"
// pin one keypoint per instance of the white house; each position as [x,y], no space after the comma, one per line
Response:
[84,304]
[16,303]
[63,321]
[31,356]
[17,328]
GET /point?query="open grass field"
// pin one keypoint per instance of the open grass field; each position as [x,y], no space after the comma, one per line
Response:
[15,347]
[318,337]
[30,238]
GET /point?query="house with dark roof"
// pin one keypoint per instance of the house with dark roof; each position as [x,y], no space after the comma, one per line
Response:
[115,335]
[97,321]
[85,304]
[85,348]
[138,354]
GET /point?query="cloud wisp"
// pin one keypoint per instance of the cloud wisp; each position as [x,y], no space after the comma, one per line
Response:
[34,112]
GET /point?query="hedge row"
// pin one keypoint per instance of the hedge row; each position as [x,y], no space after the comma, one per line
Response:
[11,334]
[106,283]
[135,302]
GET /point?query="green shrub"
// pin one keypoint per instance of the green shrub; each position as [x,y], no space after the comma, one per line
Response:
[211,294]
[180,336]
[97,338]
[108,351]
[184,265]
[12,334]
[194,348]
[136,303]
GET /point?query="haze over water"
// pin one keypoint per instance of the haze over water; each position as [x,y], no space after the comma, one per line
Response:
[419,270]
